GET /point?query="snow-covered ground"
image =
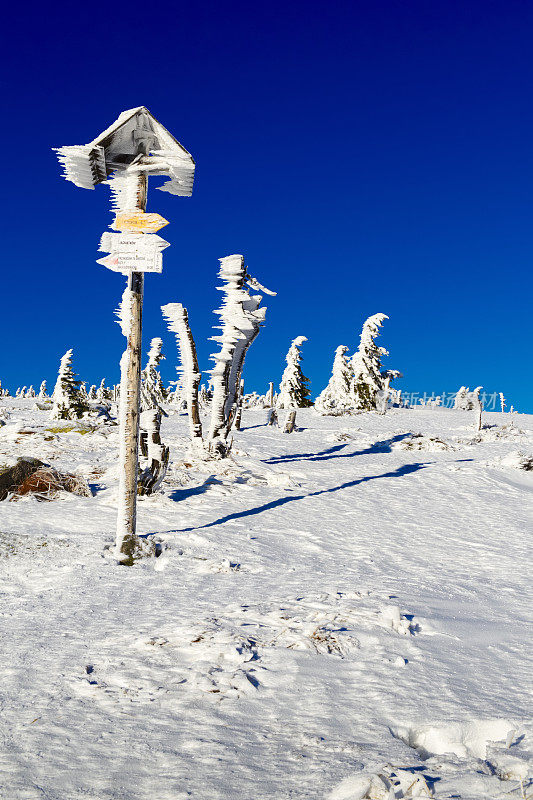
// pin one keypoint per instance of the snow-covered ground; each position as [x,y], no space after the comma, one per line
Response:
[338,613]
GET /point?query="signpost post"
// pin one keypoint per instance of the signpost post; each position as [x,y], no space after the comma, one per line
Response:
[130,150]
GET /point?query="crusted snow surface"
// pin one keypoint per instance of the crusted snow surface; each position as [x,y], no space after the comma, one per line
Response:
[330,615]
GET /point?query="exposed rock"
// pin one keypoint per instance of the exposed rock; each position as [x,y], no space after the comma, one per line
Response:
[13,475]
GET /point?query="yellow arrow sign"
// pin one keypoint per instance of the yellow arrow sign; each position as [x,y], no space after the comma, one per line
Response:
[139,222]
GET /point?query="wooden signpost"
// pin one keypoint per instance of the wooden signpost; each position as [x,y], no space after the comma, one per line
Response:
[127,153]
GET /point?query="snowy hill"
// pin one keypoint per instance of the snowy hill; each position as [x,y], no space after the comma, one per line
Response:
[342,613]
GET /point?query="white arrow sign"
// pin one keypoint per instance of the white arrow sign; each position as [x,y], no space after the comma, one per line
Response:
[132,252]
[131,242]
[136,261]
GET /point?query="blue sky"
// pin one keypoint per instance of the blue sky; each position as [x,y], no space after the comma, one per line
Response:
[364,157]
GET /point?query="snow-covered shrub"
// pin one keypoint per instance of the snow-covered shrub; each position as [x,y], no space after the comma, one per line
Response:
[67,402]
[418,441]
[518,460]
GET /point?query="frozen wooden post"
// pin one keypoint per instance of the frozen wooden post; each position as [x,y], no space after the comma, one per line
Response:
[130,402]
[290,422]
[135,146]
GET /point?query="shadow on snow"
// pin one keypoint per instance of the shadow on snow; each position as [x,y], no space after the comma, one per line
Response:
[384,446]
[407,469]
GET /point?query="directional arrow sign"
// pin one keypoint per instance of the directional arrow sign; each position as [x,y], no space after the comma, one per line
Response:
[140,261]
[139,221]
[132,242]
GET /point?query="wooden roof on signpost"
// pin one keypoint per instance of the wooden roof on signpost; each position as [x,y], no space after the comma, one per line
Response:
[136,133]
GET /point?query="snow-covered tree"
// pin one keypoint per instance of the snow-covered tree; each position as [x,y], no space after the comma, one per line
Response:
[42,390]
[461,398]
[102,393]
[366,365]
[66,398]
[152,383]
[502,402]
[241,320]
[294,389]
[336,398]
[154,454]
[92,392]
[175,394]
[204,395]
[178,322]
[465,400]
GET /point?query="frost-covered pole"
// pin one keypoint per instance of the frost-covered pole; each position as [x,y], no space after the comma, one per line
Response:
[130,397]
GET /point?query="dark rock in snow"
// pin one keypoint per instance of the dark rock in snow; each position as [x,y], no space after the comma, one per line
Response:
[12,476]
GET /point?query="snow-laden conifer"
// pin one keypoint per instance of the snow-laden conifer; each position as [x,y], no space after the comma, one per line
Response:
[67,402]
[461,398]
[465,400]
[154,454]
[92,392]
[204,396]
[152,383]
[366,365]
[42,390]
[102,393]
[336,398]
[294,389]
